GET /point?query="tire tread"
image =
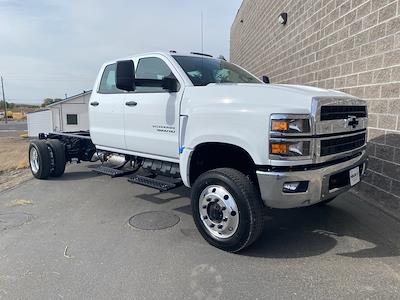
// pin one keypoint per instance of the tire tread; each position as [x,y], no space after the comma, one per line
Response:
[58,149]
[44,157]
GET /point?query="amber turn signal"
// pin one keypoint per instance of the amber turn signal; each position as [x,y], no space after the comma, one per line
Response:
[279,149]
[279,125]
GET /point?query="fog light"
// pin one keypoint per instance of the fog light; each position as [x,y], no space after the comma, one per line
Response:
[291,186]
[295,187]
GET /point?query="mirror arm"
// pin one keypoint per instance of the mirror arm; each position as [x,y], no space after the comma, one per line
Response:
[149,82]
[157,83]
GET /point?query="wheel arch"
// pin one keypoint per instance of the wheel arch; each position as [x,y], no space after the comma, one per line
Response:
[211,155]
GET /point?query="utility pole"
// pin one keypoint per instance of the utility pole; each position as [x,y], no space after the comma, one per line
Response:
[4,100]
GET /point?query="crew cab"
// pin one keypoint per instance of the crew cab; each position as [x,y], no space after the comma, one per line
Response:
[240,144]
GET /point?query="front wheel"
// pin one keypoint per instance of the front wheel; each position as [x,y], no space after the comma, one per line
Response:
[227,209]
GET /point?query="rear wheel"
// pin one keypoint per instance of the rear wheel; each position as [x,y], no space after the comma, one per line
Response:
[227,209]
[58,150]
[39,159]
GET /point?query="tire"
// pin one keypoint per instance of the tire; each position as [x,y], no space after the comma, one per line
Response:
[39,159]
[215,195]
[325,202]
[58,150]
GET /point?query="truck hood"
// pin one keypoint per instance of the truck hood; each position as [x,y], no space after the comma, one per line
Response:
[272,98]
[239,114]
[306,90]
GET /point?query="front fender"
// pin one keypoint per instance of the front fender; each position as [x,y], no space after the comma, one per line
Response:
[187,151]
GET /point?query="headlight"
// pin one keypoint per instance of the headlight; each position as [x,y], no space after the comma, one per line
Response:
[290,137]
[290,124]
[290,148]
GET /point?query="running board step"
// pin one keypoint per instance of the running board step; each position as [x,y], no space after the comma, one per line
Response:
[160,185]
[112,172]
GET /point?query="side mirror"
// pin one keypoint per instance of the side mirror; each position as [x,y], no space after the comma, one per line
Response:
[170,84]
[125,75]
[265,79]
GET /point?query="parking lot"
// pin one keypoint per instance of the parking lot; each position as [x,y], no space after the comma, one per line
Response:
[69,238]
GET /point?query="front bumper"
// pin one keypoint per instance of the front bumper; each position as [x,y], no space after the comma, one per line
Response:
[271,184]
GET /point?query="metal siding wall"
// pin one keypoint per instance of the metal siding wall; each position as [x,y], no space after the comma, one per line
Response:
[38,122]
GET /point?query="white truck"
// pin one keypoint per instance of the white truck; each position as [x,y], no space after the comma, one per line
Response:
[240,143]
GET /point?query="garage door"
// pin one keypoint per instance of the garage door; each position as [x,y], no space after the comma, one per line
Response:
[40,121]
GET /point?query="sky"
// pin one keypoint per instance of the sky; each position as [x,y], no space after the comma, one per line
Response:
[52,48]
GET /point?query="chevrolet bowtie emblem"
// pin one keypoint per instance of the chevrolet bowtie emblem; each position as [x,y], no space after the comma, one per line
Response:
[352,121]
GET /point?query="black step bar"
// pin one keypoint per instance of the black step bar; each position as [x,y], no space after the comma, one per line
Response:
[113,172]
[160,185]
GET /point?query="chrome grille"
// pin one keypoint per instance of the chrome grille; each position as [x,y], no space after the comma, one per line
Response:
[333,115]
[337,112]
[343,144]
[341,126]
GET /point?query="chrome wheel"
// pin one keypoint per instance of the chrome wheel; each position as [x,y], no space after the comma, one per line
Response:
[218,212]
[34,160]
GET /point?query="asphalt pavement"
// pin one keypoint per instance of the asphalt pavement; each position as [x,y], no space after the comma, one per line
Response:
[69,238]
[12,128]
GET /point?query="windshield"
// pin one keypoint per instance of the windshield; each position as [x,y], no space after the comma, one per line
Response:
[204,70]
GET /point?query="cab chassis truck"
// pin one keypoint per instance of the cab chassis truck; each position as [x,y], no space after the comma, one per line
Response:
[240,143]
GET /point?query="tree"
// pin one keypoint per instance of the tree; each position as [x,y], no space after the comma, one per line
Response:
[47,101]
[9,105]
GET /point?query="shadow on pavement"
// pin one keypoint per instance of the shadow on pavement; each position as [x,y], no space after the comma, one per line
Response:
[312,231]
[68,176]
[302,232]
[161,198]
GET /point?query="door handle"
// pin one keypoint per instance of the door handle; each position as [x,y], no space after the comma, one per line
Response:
[131,103]
[94,103]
